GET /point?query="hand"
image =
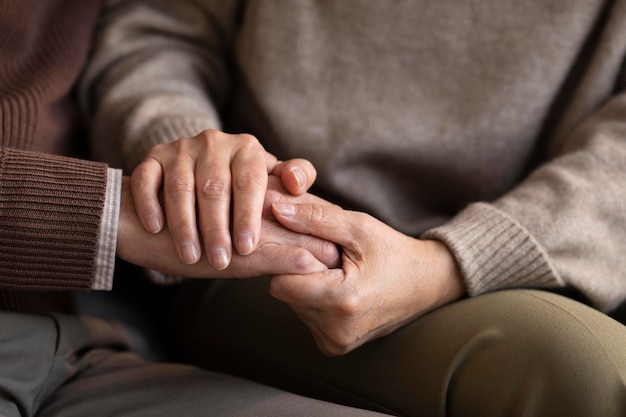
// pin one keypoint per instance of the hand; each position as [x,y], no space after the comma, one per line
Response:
[279,250]
[386,279]
[209,170]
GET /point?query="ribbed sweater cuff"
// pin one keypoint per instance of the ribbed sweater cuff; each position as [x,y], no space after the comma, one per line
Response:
[494,251]
[165,130]
[107,240]
[50,212]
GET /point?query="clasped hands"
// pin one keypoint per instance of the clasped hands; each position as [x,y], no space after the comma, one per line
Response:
[217,185]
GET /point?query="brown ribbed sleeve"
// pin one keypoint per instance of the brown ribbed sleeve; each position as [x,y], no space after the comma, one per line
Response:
[50,206]
[50,212]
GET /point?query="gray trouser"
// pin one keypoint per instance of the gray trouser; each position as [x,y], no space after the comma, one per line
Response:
[68,366]
[509,353]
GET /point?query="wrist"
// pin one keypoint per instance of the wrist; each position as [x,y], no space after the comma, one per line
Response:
[127,216]
[445,270]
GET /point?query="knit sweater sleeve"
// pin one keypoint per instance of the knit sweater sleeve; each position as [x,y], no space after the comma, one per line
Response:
[158,73]
[50,219]
[563,226]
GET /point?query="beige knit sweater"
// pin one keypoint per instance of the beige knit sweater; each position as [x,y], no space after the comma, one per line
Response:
[496,126]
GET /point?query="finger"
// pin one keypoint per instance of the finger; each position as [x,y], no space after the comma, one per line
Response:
[323,250]
[297,175]
[271,259]
[180,197]
[307,291]
[324,342]
[213,189]
[325,221]
[326,307]
[145,185]
[271,162]
[326,252]
[249,173]
[314,322]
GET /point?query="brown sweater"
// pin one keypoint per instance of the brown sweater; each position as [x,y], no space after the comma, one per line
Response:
[495,126]
[50,205]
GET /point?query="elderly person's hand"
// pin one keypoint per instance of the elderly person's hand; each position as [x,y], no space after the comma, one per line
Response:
[202,179]
[279,251]
[386,279]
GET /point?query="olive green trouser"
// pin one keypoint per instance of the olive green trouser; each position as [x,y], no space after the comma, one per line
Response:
[63,366]
[509,353]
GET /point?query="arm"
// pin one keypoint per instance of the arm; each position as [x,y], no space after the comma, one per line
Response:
[563,226]
[195,175]
[280,250]
[158,72]
[386,278]
[50,221]
[159,76]
[153,79]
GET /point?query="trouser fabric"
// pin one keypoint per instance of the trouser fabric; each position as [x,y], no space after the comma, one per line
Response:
[59,365]
[508,353]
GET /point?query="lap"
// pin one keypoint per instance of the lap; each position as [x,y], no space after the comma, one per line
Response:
[512,352]
[125,385]
[69,366]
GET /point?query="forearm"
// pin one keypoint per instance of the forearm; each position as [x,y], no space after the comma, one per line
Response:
[50,216]
[565,225]
[157,74]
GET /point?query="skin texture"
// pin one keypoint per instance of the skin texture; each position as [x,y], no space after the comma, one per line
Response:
[383,280]
[212,171]
[386,278]
[279,250]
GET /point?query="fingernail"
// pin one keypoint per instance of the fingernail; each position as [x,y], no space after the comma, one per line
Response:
[219,258]
[284,209]
[300,177]
[154,225]
[244,243]
[190,253]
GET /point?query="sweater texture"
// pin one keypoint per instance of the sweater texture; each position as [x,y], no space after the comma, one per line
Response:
[497,127]
[50,204]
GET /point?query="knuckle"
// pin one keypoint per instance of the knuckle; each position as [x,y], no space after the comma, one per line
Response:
[276,288]
[250,181]
[158,150]
[215,236]
[209,140]
[351,304]
[180,145]
[215,188]
[303,261]
[245,220]
[340,343]
[141,174]
[271,196]
[360,219]
[184,227]
[179,184]
[335,350]
[327,347]
[208,135]
[248,140]
[187,224]
[329,253]
[317,214]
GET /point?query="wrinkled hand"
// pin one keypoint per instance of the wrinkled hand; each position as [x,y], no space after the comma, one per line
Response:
[386,279]
[200,178]
[279,251]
